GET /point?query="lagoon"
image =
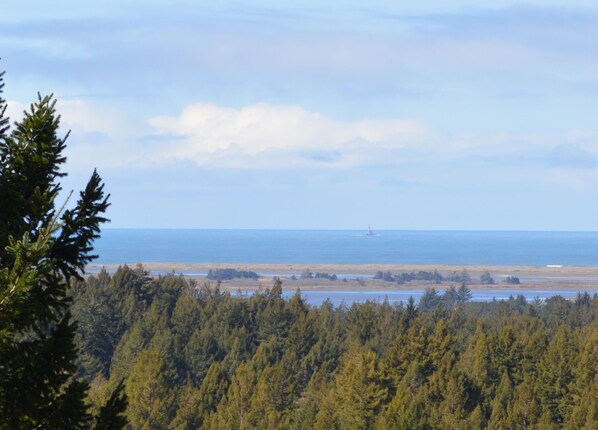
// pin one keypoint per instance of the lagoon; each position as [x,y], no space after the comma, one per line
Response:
[337,297]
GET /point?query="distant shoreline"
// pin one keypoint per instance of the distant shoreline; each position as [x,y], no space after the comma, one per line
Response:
[360,276]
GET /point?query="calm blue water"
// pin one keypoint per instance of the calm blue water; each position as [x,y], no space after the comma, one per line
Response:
[348,297]
[348,247]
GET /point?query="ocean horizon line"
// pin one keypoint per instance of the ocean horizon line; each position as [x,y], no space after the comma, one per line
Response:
[349,230]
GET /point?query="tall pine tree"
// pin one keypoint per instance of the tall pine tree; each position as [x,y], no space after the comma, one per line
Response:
[42,250]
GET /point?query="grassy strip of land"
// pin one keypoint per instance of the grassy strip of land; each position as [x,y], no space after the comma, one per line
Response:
[361,276]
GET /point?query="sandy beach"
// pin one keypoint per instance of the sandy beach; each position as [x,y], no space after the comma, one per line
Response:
[360,276]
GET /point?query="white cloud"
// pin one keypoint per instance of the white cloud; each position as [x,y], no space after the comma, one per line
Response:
[82,117]
[100,136]
[211,135]
[14,110]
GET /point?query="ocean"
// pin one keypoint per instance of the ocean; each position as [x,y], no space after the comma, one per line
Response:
[499,248]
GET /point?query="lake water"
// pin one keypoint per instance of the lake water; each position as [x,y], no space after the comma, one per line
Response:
[348,297]
[348,247]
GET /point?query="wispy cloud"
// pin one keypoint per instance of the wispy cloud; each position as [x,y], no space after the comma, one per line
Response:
[14,110]
[571,156]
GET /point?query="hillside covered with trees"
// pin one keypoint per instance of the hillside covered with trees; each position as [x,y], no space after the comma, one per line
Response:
[196,357]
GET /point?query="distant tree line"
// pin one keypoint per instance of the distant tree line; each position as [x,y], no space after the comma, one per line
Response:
[197,357]
[486,278]
[228,274]
[512,280]
[307,274]
[405,277]
[449,299]
[461,277]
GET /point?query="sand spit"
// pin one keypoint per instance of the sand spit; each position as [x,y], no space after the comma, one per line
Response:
[353,277]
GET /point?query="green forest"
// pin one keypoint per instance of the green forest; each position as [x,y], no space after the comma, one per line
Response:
[197,357]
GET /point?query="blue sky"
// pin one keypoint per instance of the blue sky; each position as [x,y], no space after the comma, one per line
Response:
[263,114]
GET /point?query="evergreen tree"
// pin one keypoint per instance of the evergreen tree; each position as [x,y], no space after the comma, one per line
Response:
[99,328]
[360,391]
[326,418]
[4,120]
[307,406]
[411,312]
[556,375]
[455,400]
[213,387]
[408,409]
[524,411]
[429,300]
[463,293]
[111,415]
[150,400]
[189,413]
[486,278]
[278,386]
[500,404]
[42,251]
[450,297]
[234,411]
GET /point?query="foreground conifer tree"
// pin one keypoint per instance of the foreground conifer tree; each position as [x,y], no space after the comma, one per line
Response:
[42,251]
